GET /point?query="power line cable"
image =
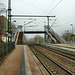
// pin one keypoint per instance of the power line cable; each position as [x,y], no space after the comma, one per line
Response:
[22,18]
[33,5]
[68,22]
[65,24]
[48,6]
[29,22]
[53,23]
[47,9]
[55,7]
[66,18]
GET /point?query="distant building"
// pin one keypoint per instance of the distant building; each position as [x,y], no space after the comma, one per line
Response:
[2,25]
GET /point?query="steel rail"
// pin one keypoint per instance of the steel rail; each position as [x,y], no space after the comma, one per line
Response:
[54,61]
[42,62]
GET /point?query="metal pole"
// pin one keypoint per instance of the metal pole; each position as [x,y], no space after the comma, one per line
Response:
[48,28]
[48,23]
[23,36]
[68,34]
[72,29]
[6,25]
[45,37]
[9,20]
[45,33]
[23,32]
[72,34]
[24,25]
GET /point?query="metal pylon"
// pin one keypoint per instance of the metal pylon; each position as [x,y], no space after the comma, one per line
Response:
[9,20]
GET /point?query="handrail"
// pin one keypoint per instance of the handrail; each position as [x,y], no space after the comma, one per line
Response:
[62,39]
[51,36]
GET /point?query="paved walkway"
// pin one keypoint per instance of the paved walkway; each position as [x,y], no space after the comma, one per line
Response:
[66,45]
[11,65]
[19,62]
[33,66]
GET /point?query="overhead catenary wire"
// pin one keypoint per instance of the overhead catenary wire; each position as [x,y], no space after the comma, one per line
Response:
[53,23]
[30,22]
[64,19]
[52,9]
[55,7]
[48,6]
[22,18]
[33,5]
[40,8]
[67,22]
[32,26]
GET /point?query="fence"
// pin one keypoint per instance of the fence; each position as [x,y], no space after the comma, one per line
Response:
[6,48]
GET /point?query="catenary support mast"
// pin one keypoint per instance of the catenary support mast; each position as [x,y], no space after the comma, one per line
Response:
[9,20]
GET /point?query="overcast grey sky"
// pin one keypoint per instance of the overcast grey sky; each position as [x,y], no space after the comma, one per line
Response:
[64,10]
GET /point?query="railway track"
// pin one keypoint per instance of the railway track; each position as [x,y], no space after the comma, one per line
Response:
[50,65]
[63,53]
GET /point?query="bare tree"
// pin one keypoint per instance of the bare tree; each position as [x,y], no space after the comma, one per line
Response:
[38,39]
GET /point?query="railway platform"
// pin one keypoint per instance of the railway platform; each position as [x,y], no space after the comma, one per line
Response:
[67,47]
[29,63]
[20,62]
[62,45]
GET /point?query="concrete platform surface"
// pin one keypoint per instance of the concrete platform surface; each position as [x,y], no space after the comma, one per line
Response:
[30,64]
[67,47]
[20,62]
[11,65]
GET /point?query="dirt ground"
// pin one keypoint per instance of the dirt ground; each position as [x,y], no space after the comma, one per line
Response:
[11,65]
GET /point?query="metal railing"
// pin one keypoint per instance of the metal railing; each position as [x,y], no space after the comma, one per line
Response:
[51,30]
[6,48]
[51,36]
